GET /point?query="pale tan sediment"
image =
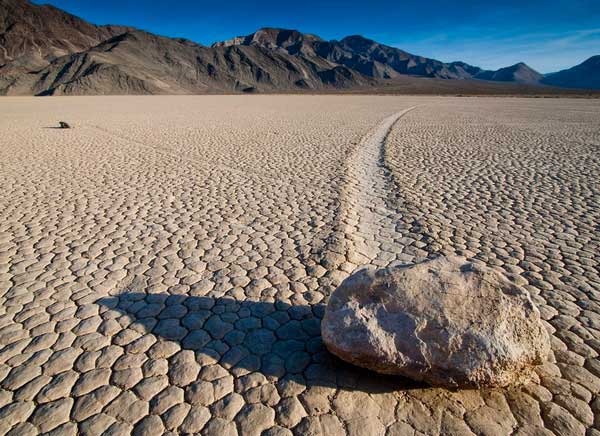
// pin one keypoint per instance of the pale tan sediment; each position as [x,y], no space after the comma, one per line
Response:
[515,184]
[164,263]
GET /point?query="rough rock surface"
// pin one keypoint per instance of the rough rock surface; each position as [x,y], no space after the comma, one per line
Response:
[445,321]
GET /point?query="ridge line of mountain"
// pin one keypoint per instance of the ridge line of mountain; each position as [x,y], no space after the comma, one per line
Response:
[46,51]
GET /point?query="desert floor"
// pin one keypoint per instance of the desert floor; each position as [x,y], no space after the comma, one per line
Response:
[165,263]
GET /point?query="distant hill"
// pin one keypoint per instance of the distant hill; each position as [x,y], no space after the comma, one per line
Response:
[520,73]
[137,62]
[46,51]
[356,52]
[584,75]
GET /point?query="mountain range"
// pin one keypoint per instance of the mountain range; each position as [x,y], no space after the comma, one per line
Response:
[47,51]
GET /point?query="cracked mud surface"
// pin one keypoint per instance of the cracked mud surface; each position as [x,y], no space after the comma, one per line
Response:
[164,265]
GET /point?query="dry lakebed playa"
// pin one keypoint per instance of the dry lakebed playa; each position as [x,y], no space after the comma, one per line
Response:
[166,262]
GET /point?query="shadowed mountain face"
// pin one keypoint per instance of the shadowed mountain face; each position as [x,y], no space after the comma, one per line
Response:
[32,35]
[584,75]
[355,52]
[45,51]
[142,63]
[119,60]
[520,73]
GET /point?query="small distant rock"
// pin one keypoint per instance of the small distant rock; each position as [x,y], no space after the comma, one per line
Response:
[64,125]
[446,322]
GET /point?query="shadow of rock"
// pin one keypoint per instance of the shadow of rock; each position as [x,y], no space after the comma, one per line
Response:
[279,340]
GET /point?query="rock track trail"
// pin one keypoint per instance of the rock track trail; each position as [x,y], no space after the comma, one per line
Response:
[371,214]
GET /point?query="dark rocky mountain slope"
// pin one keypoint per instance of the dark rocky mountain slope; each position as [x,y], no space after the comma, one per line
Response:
[31,35]
[356,52]
[137,62]
[519,73]
[584,75]
[46,51]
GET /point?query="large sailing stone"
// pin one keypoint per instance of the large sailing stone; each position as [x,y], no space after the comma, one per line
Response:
[446,322]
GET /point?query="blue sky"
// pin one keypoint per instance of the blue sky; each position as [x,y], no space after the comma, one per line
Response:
[548,35]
